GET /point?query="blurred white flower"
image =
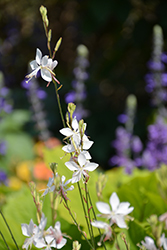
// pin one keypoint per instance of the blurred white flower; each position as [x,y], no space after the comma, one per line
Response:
[149,243]
[50,186]
[105,226]
[64,187]
[53,238]
[118,212]
[33,231]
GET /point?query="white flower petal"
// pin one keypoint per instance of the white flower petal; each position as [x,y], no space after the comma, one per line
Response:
[90,166]
[114,201]
[149,243]
[86,154]
[76,177]
[66,131]
[33,65]
[70,188]
[81,160]
[87,144]
[52,188]
[39,243]
[46,75]
[103,207]
[25,230]
[63,178]
[124,208]
[75,124]
[43,222]
[50,182]
[61,244]
[99,224]
[46,191]
[54,64]
[119,220]
[38,56]
[68,148]
[44,61]
[71,165]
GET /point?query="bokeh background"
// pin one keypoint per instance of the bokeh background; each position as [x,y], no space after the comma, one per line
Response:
[118,35]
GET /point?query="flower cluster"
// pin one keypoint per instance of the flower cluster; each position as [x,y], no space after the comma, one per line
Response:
[156,79]
[128,146]
[156,150]
[77,145]
[41,238]
[5,103]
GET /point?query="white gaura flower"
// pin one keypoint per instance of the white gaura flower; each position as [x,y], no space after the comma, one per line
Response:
[80,168]
[74,133]
[33,231]
[105,226]
[50,186]
[30,231]
[163,241]
[149,243]
[118,212]
[54,238]
[45,64]
[64,187]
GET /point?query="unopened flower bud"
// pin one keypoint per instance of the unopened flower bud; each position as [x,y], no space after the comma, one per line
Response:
[76,245]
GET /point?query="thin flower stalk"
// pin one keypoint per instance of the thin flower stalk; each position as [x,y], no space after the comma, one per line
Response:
[59,104]
[75,222]
[9,230]
[88,211]
[4,240]
[86,218]
[95,218]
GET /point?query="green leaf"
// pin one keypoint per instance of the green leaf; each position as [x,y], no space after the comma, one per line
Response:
[19,148]
[137,231]
[13,122]
[18,209]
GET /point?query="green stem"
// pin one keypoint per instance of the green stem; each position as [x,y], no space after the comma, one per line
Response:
[91,228]
[59,104]
[96,219]
[9,229]
[84,209]
[75,222]
[114,234]
[4,240]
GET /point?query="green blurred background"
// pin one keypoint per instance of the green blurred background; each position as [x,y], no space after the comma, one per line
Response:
[118,34]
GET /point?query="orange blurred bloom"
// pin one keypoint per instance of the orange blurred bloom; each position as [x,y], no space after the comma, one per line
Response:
[41,171]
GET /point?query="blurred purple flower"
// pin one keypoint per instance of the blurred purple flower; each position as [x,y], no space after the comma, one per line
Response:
[155,66]
[70,97]
[156,149]
[41,94]
[3,178]
[122,142]
[3,148]
[122,118]
[164,57]
[127,147]
[4,91]
[79,94]
[136,144]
